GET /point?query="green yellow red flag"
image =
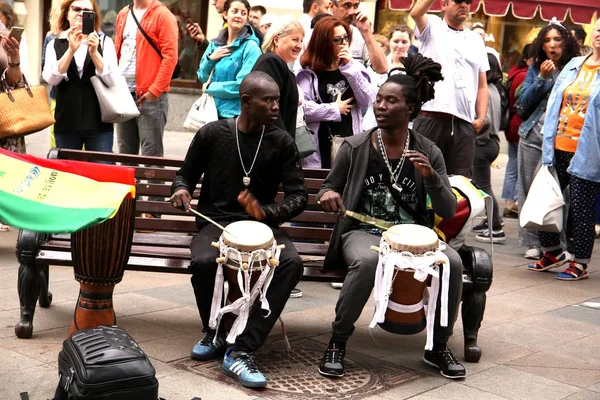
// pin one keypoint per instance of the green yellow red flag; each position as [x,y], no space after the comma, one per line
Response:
[60,196]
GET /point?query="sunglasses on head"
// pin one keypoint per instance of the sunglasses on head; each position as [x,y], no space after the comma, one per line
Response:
[80,9]
[469,2]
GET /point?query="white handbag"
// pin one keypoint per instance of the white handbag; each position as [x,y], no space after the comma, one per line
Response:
[543,208]
[203,111]
[116,103]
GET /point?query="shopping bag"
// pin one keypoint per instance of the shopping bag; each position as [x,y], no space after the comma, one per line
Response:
[544,206]
[203,111]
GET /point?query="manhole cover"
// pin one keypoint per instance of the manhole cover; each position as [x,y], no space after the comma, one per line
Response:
[294,375]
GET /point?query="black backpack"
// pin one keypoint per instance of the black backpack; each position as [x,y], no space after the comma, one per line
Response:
[104,363]
[504,105]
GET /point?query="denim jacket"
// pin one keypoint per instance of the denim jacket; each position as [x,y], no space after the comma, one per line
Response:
[586,161]
[534,94]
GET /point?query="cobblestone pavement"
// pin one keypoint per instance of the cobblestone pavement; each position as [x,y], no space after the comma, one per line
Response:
[540,336]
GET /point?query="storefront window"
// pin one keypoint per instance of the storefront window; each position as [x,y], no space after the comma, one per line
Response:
[189,55]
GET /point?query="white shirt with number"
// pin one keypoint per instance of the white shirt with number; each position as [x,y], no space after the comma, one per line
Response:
[462,56]
[127,62]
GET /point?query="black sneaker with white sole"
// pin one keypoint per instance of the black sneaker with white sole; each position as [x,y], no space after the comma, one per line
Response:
[446,362]
[493,236]
[332,363]
[481,227]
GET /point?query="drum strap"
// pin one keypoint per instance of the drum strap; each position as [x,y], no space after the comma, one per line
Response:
[243,305]
[423,266]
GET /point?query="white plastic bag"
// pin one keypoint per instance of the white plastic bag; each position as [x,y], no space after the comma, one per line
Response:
[203,111]
[543,208]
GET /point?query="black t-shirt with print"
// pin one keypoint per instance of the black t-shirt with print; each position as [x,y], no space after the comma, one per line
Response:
[380,200]
[331,83]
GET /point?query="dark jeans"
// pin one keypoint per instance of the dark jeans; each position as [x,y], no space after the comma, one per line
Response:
[93,140]
[485,154]
[204,271]
[362,264]
[455,138]
[582,211]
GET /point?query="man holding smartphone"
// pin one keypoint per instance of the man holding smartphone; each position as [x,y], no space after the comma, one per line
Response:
[146,38]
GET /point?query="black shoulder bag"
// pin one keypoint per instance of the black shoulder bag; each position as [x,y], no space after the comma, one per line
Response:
[177,70]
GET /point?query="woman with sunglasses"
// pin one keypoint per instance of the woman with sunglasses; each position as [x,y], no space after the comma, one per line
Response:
[72,59]
[336,88]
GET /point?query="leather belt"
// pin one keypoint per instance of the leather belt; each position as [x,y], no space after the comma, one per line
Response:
[435,114]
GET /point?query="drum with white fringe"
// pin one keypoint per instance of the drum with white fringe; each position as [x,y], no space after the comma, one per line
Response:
[248,256]
[408,255]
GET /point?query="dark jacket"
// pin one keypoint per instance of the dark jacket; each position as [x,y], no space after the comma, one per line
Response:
[77,106]
[349,172]
[274,65]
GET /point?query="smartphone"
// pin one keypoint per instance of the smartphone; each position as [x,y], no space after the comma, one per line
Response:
[16,32]
[88,22]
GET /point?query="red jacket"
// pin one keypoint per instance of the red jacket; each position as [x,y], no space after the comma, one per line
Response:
[516,76]
[152,74]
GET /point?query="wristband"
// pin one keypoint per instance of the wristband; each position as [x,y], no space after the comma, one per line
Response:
[481,119]
[13,65]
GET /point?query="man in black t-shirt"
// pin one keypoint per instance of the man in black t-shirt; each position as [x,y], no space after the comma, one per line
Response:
[243,161]
[387,173]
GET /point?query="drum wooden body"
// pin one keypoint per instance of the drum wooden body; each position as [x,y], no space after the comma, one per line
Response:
[246,237]
[407,292]
[100,254]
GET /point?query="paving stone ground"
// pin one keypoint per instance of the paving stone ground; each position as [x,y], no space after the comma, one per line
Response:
[540,337]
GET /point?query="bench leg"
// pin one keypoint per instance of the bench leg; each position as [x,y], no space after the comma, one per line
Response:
[478,264]
[31,280]
[45,298]
[473,308]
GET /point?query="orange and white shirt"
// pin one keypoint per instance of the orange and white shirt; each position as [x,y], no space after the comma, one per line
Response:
[574,106]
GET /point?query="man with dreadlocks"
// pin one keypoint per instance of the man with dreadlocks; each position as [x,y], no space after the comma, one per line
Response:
[457,114]
[386,173]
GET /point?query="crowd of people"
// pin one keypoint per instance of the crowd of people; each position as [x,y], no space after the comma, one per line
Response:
[409,107]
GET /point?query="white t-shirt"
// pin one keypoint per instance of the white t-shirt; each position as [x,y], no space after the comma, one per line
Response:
[127,62]
[462,56]
[358,47]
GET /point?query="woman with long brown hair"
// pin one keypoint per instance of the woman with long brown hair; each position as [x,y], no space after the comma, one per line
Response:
[336,88]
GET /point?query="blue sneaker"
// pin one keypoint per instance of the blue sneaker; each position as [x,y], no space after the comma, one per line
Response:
[205,349]
[244,369]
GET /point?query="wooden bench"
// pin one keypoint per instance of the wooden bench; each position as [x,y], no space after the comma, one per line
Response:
[165,248]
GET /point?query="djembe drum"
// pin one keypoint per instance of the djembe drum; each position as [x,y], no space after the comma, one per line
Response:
[408,257]
[248,257]
[100,254]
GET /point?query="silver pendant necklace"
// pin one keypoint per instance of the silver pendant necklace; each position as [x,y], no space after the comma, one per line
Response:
[246,179]
[394,174]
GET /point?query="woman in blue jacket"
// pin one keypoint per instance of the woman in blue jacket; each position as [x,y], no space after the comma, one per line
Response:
[230,57]
[553,48]
[571,144]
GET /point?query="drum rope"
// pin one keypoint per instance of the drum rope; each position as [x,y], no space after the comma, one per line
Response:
[243,305]
[390,261]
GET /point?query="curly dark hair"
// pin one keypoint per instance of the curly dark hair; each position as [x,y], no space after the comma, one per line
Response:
[417,78]
[570,47]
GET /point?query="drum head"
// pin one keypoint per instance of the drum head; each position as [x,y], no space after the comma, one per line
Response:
[248,236]
[416,239]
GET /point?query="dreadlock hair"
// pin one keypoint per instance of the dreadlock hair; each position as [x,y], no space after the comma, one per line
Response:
[417,79]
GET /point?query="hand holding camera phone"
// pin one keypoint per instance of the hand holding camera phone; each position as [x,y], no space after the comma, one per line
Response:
[16,32]
[88,22]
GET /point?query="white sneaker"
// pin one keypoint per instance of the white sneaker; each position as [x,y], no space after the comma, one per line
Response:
[533,253]
[336,285]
